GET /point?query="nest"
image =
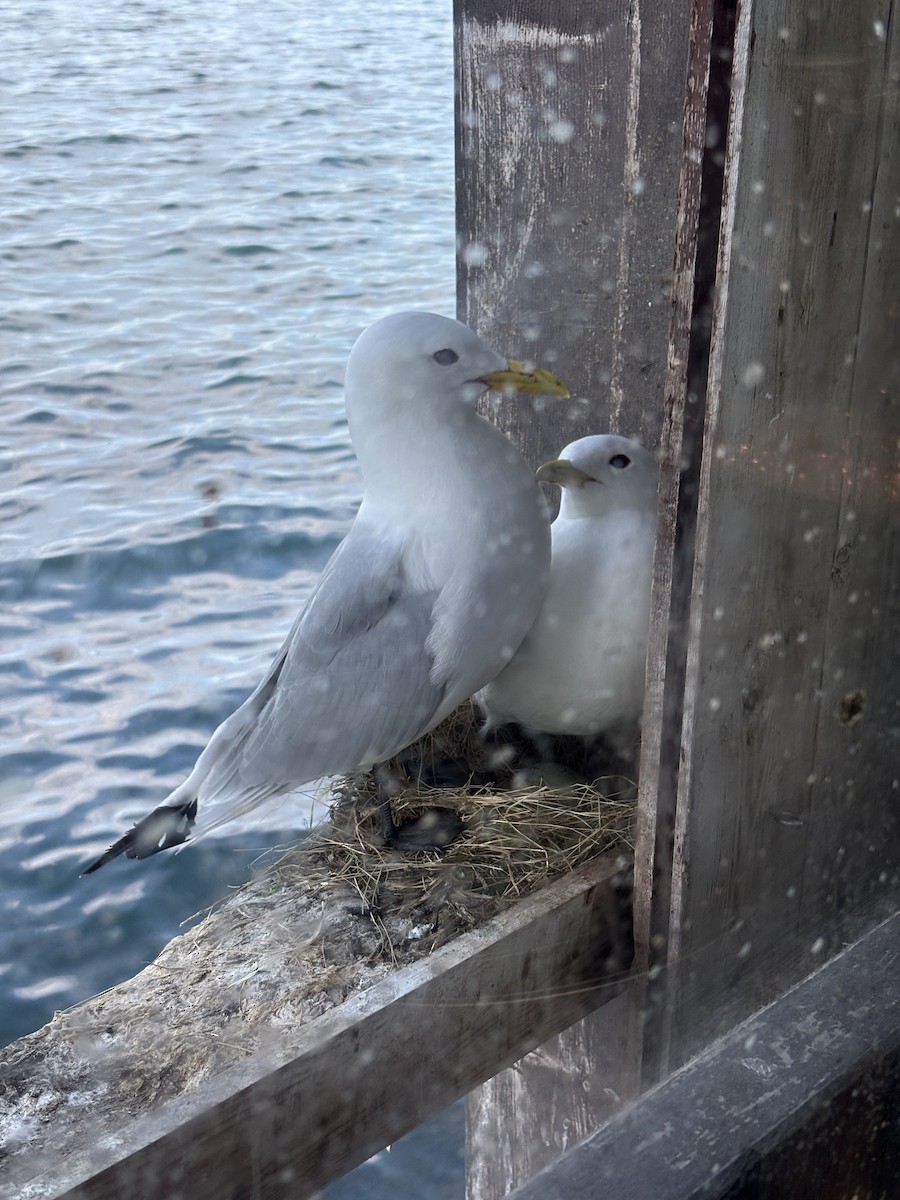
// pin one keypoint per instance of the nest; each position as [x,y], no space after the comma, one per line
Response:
[328,920]
[520,829]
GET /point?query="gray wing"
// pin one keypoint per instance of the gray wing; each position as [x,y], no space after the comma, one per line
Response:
[350,686]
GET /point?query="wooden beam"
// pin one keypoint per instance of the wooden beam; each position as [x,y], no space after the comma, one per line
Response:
[528,1115]
[372,1068]
[569,142]
[787,839]
[795,1102]
[706,99]
[580,147]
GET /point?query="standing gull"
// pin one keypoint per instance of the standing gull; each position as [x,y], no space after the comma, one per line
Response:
[581,668]
[425,600]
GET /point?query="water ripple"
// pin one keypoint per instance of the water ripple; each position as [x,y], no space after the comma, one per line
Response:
[197,228]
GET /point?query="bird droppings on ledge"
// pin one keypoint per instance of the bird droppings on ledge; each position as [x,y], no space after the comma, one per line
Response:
[329,919]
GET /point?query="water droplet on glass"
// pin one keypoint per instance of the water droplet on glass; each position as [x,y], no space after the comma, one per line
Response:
[562,130]
[474,254]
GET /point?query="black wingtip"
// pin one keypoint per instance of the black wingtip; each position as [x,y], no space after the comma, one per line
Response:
[107,856]
[165,827]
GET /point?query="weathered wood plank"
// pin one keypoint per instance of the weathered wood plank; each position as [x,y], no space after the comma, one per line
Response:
[569,138]
[847,1147]
[860,670]
[787,830]
[767,1095]
[527,1116]
[580,136]
[700,195]
[373,1067]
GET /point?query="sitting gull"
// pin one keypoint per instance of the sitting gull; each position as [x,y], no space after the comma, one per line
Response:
[580,670]
[425,600]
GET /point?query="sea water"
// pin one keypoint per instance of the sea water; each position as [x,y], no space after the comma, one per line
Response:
[202,206]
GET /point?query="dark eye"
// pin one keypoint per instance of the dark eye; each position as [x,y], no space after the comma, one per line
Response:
[620,461]
[445,357]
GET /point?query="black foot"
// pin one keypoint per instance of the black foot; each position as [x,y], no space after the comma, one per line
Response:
[435,829]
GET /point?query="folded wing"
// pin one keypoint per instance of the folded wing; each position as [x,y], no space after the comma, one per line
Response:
[351,685]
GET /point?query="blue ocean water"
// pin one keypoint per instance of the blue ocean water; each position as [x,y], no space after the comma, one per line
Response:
[203,204]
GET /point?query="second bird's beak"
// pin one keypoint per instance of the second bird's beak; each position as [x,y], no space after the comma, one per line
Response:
[519,378]
[563,472]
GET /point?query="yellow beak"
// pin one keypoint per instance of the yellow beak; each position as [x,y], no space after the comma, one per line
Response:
[518,378]
[563,472]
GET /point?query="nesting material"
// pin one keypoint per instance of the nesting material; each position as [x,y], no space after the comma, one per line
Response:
[327,920]
[513,841]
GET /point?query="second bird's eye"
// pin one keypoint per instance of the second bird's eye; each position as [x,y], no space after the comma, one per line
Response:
[620,461]
[445,357]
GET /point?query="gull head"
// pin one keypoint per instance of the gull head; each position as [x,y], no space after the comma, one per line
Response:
[417,360]
[603,473]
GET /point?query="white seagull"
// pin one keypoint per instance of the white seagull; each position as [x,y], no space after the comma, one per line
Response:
[581,668]
[426,599]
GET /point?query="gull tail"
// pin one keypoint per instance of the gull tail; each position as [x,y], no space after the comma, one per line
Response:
[167,826]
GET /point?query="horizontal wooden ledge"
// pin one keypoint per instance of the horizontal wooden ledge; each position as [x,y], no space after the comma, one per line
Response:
[376,1066]
[802,1099]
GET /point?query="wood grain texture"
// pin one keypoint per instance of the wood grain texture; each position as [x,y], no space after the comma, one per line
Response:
[569,136]
[580,142]
[788,835]
[527,1116]
[372,1068]
[796,1103]
[699,193]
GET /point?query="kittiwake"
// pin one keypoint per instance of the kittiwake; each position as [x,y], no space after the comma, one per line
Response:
[425,600]
[580,670]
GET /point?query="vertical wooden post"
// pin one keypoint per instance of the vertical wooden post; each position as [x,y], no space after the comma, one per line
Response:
[767,831]
[569,144]
[580,137]
[527,1116]
[788,829]
[700,190]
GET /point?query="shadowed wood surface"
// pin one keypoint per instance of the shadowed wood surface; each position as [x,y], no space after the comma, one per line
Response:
[700,193]
[789,833]
[777,801]
[315,1102]
[798,1103]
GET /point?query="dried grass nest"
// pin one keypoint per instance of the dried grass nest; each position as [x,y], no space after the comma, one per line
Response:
[513,841]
